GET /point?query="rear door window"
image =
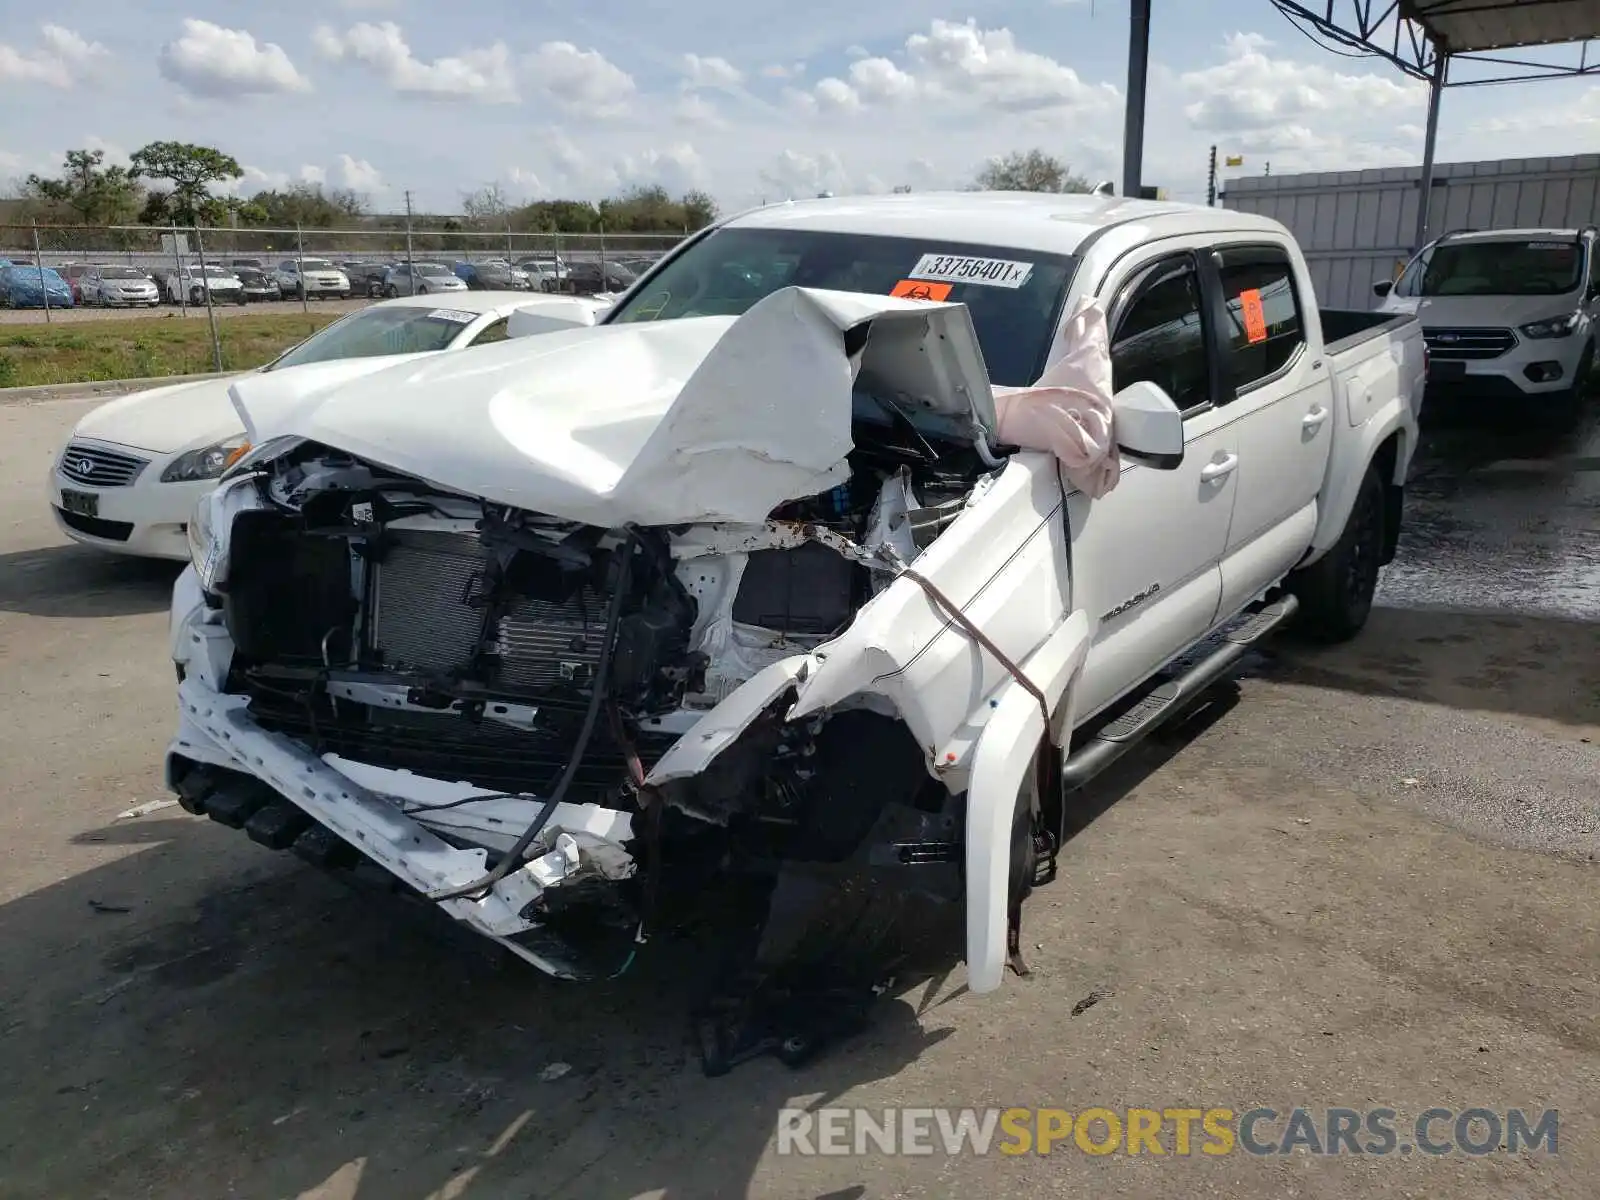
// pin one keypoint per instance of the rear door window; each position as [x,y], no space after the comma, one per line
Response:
[1264,330]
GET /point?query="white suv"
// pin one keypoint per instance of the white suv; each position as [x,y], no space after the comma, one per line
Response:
[1507,313]
[304,277]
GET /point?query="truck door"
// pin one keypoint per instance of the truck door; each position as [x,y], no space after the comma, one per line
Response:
[1146,557]
[1282,406]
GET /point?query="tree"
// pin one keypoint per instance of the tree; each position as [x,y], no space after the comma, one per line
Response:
[1030,171]
[486,208]
[88,191]
[699,209]
[308,205]
[191,170]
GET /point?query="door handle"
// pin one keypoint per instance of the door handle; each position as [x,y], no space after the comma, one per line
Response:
[1212,472]
[1314,418]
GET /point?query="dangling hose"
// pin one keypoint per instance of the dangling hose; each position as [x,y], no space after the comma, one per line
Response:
[602,679]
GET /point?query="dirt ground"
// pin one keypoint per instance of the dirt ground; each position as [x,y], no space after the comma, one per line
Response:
[1369,881]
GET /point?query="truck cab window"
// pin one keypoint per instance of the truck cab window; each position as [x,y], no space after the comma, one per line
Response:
[1264,327]
[1160,339]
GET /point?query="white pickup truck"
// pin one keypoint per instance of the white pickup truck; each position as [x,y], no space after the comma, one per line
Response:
[739,588]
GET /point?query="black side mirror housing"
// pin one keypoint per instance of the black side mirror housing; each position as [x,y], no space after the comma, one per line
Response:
[1382,288]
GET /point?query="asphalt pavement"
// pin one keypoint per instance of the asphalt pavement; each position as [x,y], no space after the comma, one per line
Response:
[1366,876]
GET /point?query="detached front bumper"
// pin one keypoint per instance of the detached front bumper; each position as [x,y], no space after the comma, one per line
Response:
[221,757]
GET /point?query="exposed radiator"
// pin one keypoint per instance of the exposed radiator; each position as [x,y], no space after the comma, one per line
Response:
[420,620]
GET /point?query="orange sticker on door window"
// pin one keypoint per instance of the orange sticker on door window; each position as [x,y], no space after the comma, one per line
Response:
[1255,321]
[916,289]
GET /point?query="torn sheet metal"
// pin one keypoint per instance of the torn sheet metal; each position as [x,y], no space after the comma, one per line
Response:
[1068,411]
[704,419]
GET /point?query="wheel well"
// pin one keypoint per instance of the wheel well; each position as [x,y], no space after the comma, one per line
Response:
[1394,491]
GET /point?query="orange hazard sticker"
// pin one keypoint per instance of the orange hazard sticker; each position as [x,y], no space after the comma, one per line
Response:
[917,289]
[1255,321]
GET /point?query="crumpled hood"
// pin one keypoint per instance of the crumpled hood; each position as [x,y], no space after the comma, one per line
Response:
[189,415]
[704,419]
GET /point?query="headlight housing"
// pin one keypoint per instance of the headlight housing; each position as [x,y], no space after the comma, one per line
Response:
[208,462]
[211,528]
[1554,327]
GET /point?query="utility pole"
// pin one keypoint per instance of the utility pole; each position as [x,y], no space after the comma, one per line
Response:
[1211,180]
[411,279]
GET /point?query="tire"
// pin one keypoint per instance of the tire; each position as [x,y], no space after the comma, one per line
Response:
[1336,591]
[390,292]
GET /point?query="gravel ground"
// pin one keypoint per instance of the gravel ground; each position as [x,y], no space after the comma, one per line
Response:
[1368,880]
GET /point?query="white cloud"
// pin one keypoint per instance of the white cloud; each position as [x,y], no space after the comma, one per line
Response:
[1252,89]
[711,72]
[856,51]
[60,62]
[312,174]
[695,109]
[359,175]
[209,60]
[485,74]
[677,167]
[963,66]
[526,182]
[784,70]
[582,82]
[793,175]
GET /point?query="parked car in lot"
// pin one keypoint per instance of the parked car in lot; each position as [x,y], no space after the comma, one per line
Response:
[258,285]
[256,264]
[73,273]
[591,278]
[832,594]
[117,286]
[128,478]
[366,278]
[545,271]
[495,275]
[306,278]
[193,282]
[23,285]
[1508,314]
[421,279]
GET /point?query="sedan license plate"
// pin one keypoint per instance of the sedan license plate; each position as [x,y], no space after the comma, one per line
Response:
[85,504]
[1440,370]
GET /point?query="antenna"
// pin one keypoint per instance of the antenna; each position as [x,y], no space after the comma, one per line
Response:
[1104,188]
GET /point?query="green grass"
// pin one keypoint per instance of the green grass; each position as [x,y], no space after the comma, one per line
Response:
[138,348]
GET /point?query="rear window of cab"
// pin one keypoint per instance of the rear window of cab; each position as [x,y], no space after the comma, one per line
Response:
[1014,296]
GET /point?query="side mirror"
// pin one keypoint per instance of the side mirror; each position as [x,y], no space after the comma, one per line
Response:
[1382,288]
[1148,426]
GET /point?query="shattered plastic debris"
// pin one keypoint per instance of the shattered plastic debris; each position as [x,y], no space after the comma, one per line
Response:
[554,1072]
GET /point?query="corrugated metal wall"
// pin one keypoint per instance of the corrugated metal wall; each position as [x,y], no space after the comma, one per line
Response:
[1356,226]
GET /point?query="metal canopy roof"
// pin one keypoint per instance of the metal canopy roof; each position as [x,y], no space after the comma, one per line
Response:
[1470,37]
[1471,26]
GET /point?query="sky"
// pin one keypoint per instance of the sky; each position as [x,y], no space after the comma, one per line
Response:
[753,101]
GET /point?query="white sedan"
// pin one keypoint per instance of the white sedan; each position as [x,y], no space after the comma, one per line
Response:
[128,478]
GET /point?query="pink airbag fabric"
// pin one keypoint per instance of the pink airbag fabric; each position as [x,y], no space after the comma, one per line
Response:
[1068,410]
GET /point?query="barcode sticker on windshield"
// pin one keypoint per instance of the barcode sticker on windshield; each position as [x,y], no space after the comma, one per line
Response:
[958,268]
[452,314]
[1550,245]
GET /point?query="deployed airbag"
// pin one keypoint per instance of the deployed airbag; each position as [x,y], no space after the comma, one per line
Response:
[1068,410]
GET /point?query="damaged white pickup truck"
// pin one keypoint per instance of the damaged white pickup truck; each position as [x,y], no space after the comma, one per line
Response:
[813,579]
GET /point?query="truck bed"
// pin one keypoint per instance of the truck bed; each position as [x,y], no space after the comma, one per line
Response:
[1343,328]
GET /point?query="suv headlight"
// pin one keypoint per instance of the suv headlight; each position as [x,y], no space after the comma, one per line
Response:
[208,462]
[1554,327]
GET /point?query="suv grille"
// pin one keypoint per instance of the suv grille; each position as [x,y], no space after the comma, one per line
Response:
[100,468]
[1468,343]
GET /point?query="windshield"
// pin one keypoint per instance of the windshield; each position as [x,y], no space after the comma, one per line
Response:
[1014,296]
[214,272]
[430,269]
[316,264]
[1537,267]
[120,273]
[377,331]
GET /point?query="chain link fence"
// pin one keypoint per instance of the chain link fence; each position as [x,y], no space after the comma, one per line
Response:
[547,257]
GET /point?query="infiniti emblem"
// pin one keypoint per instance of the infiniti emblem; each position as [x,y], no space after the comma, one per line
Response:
[85,466]
[1449,337]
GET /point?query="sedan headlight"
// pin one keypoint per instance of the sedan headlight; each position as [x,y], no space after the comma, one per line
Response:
[208,462]
[1554,327]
